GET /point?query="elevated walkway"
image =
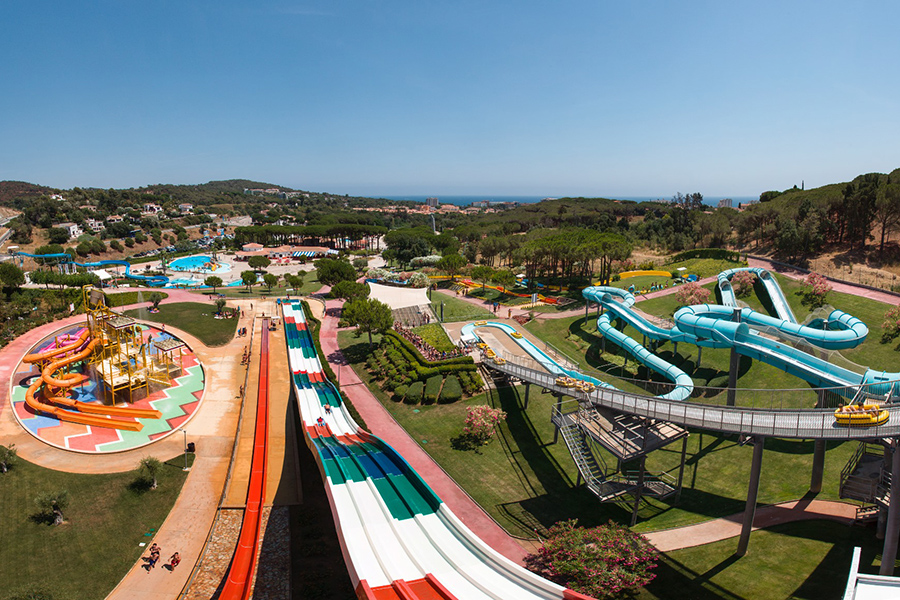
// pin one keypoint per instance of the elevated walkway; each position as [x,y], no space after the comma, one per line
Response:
[784,423]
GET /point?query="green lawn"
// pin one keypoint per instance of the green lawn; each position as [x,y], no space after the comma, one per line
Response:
[456,309]
[491,295]
[807,559]
[194,318]
[435,335]
[84,558]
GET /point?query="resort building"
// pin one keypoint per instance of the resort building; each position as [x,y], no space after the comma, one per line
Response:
[71,228]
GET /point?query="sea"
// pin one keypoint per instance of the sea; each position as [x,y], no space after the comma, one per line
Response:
[467,200]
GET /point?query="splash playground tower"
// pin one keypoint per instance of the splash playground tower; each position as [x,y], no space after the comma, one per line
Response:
[110,383]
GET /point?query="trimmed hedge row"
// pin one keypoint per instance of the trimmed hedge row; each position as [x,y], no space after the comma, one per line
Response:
[399,340]
[716,253]
[433,389]
[314,326]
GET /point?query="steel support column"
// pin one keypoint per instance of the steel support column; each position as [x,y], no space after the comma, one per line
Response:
[818,467]
[752,492]
[889,555]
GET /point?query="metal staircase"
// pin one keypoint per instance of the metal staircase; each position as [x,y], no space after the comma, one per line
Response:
[591,471]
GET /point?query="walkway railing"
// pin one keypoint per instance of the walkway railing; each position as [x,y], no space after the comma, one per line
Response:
[788,423]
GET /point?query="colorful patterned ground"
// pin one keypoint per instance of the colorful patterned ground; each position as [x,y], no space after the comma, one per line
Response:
[177,405]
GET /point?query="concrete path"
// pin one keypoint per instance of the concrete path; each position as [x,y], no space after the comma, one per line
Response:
[382,424]
[766,516]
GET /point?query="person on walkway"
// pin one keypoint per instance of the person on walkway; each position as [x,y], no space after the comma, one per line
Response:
[509,314]
[174,560]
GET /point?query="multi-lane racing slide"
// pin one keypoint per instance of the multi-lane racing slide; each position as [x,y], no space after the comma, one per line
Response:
[153,280]
[399,540]
[239,582]
[55,389]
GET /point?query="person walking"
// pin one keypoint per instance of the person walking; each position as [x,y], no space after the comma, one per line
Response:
[174,560]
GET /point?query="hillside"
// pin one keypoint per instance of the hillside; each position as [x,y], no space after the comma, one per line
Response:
[21,189]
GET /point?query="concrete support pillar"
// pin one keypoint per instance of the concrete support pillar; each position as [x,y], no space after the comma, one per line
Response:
[558,412]
[527,391]
[699,355]
[640,489]
[818,467]
[587,307]
[684,441]
[882,523]
[889,554]
[752,492]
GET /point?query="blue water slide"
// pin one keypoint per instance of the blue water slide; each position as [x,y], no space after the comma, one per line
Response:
[715,326]
[153,280]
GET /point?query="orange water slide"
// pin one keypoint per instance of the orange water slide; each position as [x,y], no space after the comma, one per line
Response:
[38,357]
[69,380]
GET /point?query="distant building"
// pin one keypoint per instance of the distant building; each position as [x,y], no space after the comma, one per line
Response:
[152,209]
[481,204]
[432,202]
[71,228]
[185,209]
[115,219]
[95,225]
[726,203]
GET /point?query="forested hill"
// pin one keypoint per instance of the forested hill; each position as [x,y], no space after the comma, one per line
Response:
[21,189]
[211,189]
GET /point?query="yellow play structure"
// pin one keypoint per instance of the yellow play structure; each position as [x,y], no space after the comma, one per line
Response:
[123,361]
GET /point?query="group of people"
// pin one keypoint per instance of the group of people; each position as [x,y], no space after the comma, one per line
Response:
[654,287]
[426,349]
[155,551]
[245,359]
[242,332]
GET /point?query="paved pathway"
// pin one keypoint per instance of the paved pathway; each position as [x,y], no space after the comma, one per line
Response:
[382,424]
[766,516]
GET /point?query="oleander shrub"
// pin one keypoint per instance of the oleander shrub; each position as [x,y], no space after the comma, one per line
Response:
[742,283]
[609,561]
[452,390]
[415,393]
[432,389]
[692,293]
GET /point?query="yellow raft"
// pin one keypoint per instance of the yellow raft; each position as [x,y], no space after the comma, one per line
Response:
[867,415]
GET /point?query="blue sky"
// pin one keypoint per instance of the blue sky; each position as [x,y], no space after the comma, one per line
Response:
[454,97]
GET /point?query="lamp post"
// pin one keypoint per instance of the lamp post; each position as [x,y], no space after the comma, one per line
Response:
[184,431]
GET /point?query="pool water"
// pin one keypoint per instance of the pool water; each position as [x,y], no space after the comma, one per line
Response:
[201,263]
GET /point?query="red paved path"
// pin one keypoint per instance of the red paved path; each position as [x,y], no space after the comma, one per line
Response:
[382,424]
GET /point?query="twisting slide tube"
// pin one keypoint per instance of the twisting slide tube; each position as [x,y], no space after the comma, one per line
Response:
[51,382]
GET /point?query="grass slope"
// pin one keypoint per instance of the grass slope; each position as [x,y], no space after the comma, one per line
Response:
[85,557]
[194,318]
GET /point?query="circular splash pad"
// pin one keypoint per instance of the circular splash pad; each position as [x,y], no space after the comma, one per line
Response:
[176,402]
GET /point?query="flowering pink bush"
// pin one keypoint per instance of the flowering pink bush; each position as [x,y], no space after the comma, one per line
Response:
[742,283]
[620,266]
[815,289]
[601,562]
[692,293]
[891,324]
[481,421]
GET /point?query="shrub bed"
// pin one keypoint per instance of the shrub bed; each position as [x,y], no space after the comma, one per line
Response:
[432,389]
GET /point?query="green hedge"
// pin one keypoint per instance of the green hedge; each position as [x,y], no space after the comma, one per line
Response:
[422,368]
[716,253]
[314,326]
[432,389]
[415,393]
[452,390]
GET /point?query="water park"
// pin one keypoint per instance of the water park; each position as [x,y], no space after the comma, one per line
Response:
[110,384]
[200,264]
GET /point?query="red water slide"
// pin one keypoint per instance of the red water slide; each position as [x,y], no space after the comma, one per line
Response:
[243,565]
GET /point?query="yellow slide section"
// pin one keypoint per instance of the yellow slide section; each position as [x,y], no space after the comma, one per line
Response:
[67,381]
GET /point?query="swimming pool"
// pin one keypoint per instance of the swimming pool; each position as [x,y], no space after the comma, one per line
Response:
[183,282]
[199,263]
